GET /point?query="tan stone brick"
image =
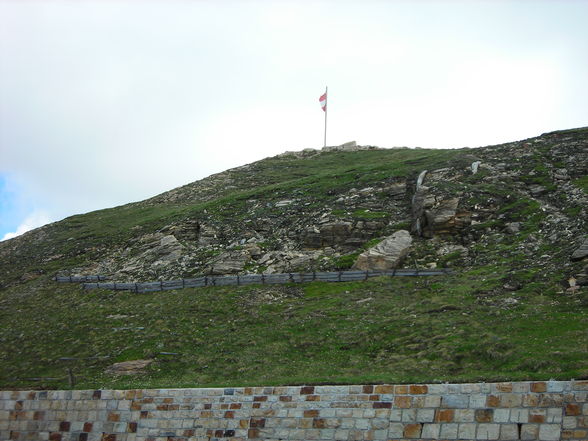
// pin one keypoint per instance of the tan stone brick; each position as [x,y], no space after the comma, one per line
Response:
[529,431]
[403,402]
[305,423]
[539,386]
[432,401]
[493,401]
[384,389]
[531,400]
[504,387]
[444,415]
[412,430]
[484,415]
[416,389]
[511,400]
[537,415]
[401,390]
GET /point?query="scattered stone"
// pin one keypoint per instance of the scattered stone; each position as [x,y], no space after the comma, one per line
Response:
[581,252]
[450,248]
[284,203]
[537,190]
[513,227]
[132,367]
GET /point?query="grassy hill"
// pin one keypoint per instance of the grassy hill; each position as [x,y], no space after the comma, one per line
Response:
[506,312]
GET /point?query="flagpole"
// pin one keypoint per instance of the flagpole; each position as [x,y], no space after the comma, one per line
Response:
[326,109]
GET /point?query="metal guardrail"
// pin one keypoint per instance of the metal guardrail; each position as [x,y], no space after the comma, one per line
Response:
[94,282]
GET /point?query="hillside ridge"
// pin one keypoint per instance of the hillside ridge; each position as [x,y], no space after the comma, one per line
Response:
[510,220]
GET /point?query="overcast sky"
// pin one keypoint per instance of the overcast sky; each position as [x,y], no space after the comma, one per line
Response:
[108,102]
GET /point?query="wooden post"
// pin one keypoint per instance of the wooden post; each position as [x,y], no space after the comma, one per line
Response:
[70,377]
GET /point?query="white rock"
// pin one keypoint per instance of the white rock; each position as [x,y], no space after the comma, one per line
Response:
[386,255]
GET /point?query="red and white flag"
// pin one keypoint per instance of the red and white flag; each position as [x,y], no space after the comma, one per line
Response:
[323,101]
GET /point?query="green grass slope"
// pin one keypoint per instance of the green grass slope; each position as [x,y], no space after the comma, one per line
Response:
[504,314]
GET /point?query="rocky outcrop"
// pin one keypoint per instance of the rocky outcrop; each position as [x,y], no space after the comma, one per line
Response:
[435,215]
[231,262]
[468,202]
[387,254]
[327,235]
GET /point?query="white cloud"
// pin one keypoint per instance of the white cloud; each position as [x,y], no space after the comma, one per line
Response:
[34,220]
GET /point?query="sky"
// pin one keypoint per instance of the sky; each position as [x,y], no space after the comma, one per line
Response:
[108,102]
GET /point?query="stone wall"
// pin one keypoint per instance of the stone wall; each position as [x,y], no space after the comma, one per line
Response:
[549,410]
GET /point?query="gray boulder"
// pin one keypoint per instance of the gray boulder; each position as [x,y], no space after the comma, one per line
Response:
[386,255]
[581,252]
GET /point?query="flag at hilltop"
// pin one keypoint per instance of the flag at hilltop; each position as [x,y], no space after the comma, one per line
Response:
[323,101]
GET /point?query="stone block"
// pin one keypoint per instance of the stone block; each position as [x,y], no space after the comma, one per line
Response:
[488,431]
[432,401]
[464,415]
[379,424]
[470,388]
[403,402]
[409,415]
[540,386]
[554,415]
[455,401]
[449,431]
[396,430]
[477,401]
[484,415]
[519,415]
[501,415]
[509,432]
[501,387]
[529,431]
[549,432]
[467,431]
[416,389]
[537,415]
[580,385]
[425,415]
[430,431]
[412,430]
